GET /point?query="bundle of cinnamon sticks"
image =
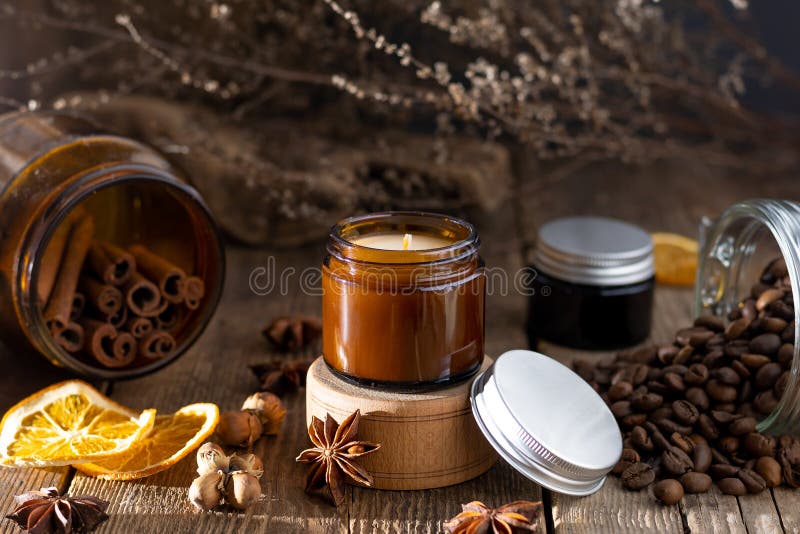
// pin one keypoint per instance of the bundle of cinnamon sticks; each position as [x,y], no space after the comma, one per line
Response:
[118,306]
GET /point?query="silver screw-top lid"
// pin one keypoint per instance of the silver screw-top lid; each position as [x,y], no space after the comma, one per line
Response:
[595,251]
[546,422]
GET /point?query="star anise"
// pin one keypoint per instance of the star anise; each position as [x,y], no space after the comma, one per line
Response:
[333,456]
[281,377]
[46,511]
[291,334]
[512,518]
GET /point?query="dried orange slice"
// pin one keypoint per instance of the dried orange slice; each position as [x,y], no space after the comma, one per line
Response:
[172,438]
[675,259]
[69,423]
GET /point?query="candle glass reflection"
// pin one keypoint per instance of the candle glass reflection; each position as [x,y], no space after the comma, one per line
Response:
[403,299]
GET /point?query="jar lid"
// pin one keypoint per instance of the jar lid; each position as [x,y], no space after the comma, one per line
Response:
[595,251]
[546,422]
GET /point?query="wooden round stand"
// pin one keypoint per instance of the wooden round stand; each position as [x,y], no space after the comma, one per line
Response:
[428,439]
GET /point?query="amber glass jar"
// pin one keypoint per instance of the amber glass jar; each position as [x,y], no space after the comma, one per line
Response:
[51,164]
[408,318]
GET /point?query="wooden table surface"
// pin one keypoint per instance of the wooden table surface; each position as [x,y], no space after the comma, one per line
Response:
[669,197]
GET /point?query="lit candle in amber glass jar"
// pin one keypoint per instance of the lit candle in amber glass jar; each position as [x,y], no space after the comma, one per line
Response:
[403,299]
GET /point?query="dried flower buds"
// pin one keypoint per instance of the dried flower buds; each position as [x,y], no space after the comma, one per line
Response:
[233,480]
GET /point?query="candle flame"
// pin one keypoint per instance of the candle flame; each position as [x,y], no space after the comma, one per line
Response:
[406,241]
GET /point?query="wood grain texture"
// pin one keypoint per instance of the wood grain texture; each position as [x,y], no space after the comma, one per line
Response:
[759,513]
[429,439]
[787,502]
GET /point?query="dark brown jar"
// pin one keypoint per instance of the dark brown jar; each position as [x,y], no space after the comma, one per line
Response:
[52,165]
[593,284]
[403,317]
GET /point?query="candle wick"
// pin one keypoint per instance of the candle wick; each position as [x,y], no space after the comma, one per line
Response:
[406,241]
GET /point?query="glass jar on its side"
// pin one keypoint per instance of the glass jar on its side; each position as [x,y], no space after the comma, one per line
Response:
[51,164]
[735,250]
[404,318]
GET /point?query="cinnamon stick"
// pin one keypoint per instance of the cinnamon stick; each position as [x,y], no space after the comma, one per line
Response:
[139,326]
[70,337]
[119,318]
[142,296]
[59,306]
[195,290]
[105,298]
[169,278]
[50,260]
[109,347]
[157,344]
[110,263]
[78,304]
[168,319]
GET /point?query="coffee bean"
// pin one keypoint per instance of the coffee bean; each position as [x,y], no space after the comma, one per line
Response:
[728,407]
[641,440]
[732,486]
[657,387]
[658,438]
[670,426]
[748,309]
[698,397]
[780,384]
[638,476]
[699,339]
[696,375]
[777,268]
[726,375]
[646,402]
[712,322]
[685,412]
[765,344]
[765,402]
[770,471]
[629,456]
[787,336]
[682,442]
[746,392]
[683,355]
[684,335]
[669,491]
[776,325]
[781,309]
[701,456]
[752,481]
[674,382]
[639,374]
[741,369]
[663,412]
[742,426]
[717,457]
[720,392]
[714,359]
[694,482]
[678,369]
[759,445]
[729,444]
[720,471]
[634,419]
[621,409]
[722,417]
[766,298]
[736,328]
[676,461]
[767,375]
[785,354]
[706,427]
[754,361]
[737,348]
[620,390]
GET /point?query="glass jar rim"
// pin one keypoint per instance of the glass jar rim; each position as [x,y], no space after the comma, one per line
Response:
[464,246]
[38,238]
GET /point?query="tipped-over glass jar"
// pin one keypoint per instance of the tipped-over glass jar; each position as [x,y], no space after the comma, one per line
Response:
[403,299]
[110,263]
[735,265]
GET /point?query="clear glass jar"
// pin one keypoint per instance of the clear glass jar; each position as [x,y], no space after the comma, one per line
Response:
[403,317]
[734,251]
[50,164]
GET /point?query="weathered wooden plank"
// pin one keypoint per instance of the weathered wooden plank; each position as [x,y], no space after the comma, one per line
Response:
[712,512]
[787,502]
[16,481]
[760,514]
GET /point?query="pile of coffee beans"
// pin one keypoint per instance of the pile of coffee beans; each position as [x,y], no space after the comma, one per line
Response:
[688,410]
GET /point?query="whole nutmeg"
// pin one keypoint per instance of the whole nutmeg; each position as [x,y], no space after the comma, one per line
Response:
[248,463]
[205,492]
[269,409]
[242,490]
[211,458]
[239,429]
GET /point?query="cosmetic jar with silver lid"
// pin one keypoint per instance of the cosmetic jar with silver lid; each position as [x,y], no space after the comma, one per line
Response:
[593,284]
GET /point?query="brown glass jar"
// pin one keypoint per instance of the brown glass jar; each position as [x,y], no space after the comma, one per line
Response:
[50,164]
[408,318]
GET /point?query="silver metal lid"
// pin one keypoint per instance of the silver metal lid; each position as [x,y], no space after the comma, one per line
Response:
[546,422]
[595,251]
